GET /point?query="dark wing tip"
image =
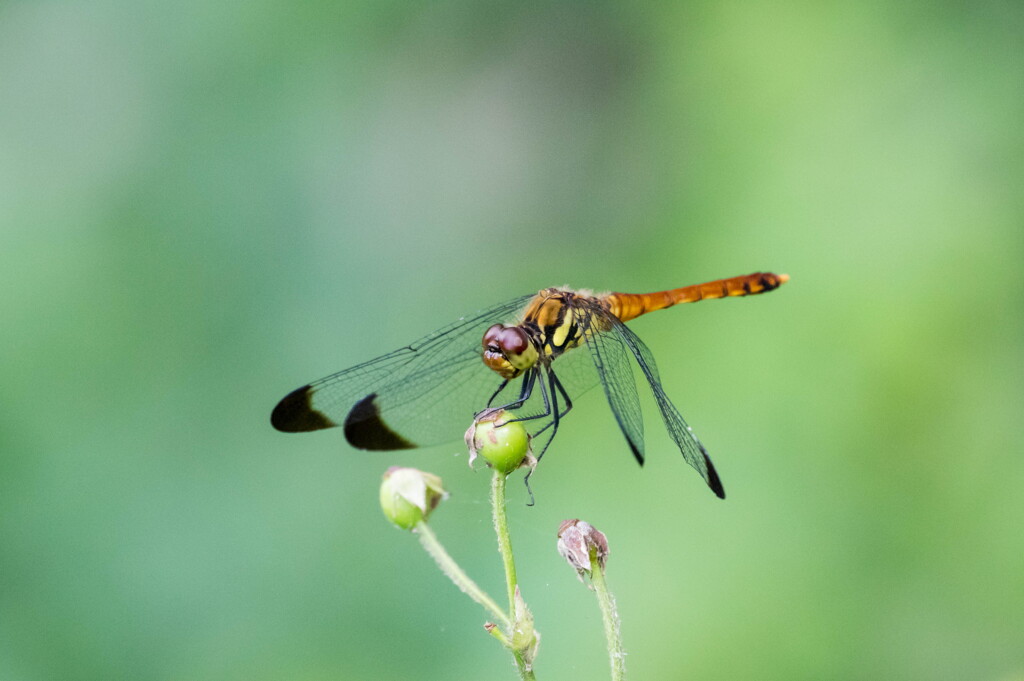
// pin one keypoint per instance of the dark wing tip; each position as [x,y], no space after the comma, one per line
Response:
[295,413]
[713,480]
[637,451]
[364,428]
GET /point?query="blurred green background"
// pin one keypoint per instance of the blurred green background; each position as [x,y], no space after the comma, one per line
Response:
[205,205]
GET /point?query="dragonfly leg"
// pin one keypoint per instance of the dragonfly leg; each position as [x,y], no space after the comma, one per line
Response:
[555,388]
[550,389]
[496,392]
[563,412]
[534,379]
[550,408]
[561,389]
[524,394]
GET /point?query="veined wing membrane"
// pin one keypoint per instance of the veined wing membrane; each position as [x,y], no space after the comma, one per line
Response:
[692,449]
[610,356]
[425,393]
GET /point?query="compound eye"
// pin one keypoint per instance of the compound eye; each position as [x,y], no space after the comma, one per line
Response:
[513,341]
[491,337]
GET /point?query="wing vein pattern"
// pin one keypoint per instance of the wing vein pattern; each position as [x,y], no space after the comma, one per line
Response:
[441,375]
[682,434]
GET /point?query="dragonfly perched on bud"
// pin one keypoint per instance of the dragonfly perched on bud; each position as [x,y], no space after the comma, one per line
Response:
[528,355]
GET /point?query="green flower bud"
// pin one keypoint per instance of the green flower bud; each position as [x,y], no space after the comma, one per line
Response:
[407,495]
[504,444]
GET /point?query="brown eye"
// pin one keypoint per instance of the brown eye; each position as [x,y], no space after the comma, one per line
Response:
[491,336]
[513,341]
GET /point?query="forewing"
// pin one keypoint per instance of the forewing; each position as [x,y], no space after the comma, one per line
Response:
[610,355]
[692,449]
[414,396]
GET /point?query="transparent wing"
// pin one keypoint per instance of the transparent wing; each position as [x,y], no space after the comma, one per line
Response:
[425,393]
[610,355]
[692,449]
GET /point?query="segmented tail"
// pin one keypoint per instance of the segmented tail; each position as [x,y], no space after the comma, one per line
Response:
[628,306]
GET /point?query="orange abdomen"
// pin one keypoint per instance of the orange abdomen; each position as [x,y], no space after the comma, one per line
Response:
[628,306]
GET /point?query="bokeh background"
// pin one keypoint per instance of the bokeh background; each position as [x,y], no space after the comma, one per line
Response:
[204,205]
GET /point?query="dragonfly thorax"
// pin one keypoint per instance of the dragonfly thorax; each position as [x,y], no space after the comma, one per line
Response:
[508,350]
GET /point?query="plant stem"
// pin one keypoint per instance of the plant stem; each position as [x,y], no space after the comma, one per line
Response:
[505,549]
[525,673]
[610,615]
[432,545]
[504,539]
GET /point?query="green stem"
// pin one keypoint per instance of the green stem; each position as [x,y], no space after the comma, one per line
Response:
[504,538]
[616,655]
[455,573]
[525,673]
[505,549]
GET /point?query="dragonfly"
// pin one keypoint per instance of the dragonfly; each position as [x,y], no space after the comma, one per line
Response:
[529,356]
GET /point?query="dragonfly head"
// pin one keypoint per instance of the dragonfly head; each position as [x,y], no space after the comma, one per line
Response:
[508,350]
